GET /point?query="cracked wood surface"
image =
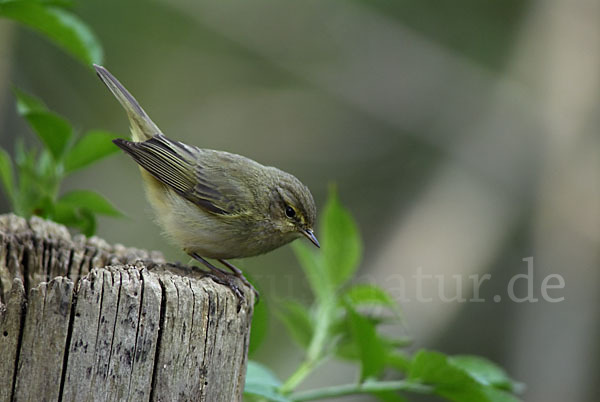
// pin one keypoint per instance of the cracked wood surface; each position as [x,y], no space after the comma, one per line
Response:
[82,320]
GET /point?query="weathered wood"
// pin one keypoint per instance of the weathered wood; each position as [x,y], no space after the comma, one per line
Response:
[11,318]
[82,350]
[83,320]
[44,338]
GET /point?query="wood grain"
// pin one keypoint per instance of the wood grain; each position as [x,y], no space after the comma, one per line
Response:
[82,320]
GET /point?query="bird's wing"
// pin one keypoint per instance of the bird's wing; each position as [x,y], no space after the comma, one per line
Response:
[181,168]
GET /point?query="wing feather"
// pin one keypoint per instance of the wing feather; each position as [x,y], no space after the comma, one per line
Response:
[177,166]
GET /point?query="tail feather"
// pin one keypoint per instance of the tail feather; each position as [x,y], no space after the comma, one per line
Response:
[142,127]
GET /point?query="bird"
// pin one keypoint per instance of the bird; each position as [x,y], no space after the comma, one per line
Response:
[214,204]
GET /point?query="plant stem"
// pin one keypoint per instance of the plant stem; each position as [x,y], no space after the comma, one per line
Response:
[314,354]
[350,389]
[298,376]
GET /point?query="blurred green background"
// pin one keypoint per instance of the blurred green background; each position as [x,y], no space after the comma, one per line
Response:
[463,136]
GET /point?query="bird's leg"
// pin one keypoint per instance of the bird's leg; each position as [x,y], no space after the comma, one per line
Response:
[222,277]
[238,273]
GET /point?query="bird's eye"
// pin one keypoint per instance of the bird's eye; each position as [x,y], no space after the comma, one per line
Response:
[290,212]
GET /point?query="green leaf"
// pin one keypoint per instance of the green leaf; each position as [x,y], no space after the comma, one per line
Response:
[87,223]
[260,374]
[371,349]
[60,26]
[24,194]
[54,131]
[451,381]
[298,322]
[32,193]
[312,265]
[6,174]
[369,294]
[346,349]
[497,395]
[44,207]
[262,382]
[46,166]
[398,361]
[94,145]
[27,103]
[90,201]
[341,243]
[483,371]
[70,215]
[271,394]
[67,214]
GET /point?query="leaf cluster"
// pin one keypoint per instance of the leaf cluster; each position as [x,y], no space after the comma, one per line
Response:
[32,181]
[345,322]
[54,20]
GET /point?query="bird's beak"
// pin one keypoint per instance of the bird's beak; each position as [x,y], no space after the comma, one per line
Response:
[311,236]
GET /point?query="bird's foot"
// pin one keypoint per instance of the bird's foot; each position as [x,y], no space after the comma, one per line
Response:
[238,274]
[229,280]
[224,278]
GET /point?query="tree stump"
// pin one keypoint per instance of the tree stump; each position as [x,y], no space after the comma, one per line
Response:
[81,320]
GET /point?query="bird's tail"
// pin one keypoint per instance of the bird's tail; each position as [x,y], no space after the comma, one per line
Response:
[142,127]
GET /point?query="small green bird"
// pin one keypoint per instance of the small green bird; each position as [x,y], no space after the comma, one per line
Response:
[214,204]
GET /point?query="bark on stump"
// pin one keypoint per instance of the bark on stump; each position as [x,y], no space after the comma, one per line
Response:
[82,320]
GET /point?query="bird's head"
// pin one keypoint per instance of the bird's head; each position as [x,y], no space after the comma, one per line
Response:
[292,208]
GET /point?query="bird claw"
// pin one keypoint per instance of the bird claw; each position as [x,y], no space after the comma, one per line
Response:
[245,281]
[228,280]
[239,274]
